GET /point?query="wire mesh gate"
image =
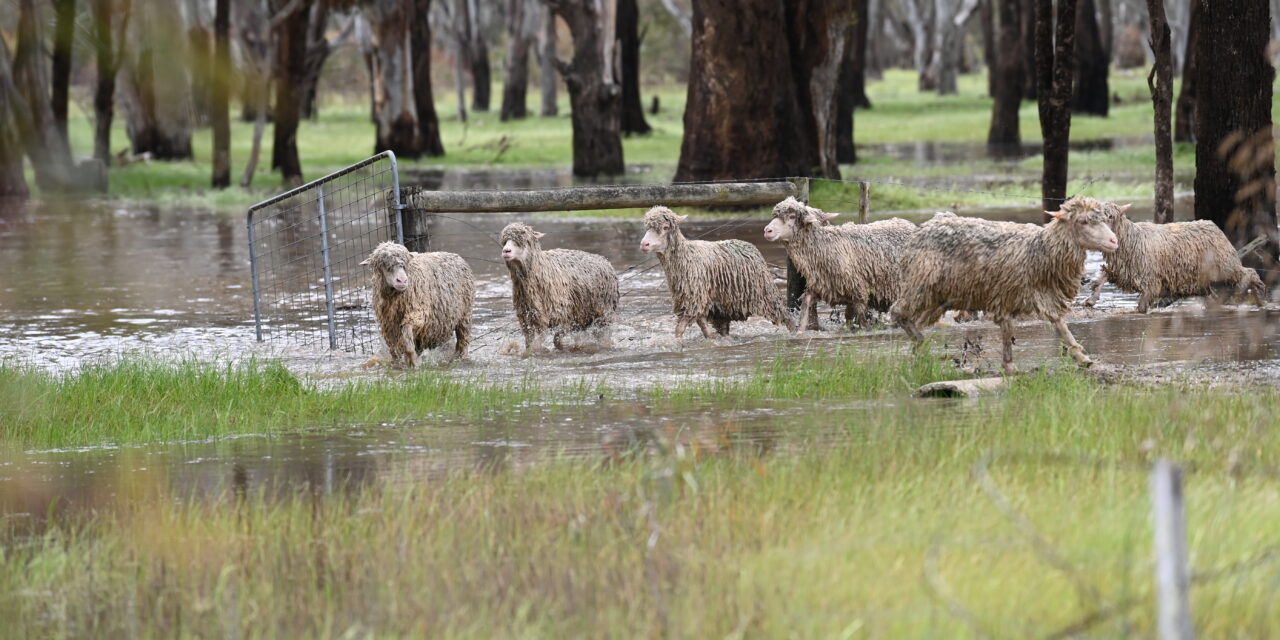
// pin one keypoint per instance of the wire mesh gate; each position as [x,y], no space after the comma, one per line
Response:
[305,249]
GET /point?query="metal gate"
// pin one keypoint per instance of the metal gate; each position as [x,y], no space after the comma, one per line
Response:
[305,249]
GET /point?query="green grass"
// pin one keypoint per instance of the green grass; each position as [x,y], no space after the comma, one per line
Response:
[343,135]
[887,533]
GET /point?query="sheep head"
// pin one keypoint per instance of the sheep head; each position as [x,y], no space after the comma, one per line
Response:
[1087,223]
[390,260]
[790,215]
[662,226]
[519,242]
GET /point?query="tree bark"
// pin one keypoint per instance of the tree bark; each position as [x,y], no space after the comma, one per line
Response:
[951,17]
[219,105]
[817,30]
[547,67]
[1008,76]
[1030,83]
[61,71]
[395,104]
[1235,148]
[515,82]
[1055,59]
[481,78]
[428,121]
[628,25]
[851,92]
[289,69]
[45,145]
[200,72]
[1092,94]
[108,46]
[594,94]
[1160,82]
[986,13]
[1184,129]
[156,88]
[919,20]
[319,47]
[857,54]
[13,120]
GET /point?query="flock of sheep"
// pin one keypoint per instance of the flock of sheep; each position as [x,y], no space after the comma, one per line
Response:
[915,273]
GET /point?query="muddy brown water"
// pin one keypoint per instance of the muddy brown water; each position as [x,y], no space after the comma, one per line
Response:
[93,282]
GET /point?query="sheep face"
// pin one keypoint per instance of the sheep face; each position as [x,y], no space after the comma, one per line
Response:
[789,216]
[519,241]
[660,225]
[1115,212]
[1088,222]
[390,259]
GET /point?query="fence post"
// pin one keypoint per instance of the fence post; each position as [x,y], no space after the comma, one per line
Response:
[1172,580]
[795,281]
[398,202]
[864,201]
[253,274]
[328,268]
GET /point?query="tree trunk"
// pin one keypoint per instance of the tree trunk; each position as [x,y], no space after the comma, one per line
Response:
[1031,82]
[1055,58]
[1235,148]
[857,48]
[919,20]
[420,44]
[13,120]
[318,49]
[633,121]
[219,117]
[515,82]
[61,72]
[1160,82]
[1092,95]
[547,67]
[1184,129]
[818,30]
[396,101]
[45,145]
[481,78]
[876,58]
[951,18]
[200,67]
[987,14]
[108,48]
[157,92]
[851,92]
[594,95]
[1008,76]
[289,69]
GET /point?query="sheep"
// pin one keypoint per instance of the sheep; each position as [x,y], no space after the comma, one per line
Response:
[420,300]
[852,264]
[724,281]
[560,288]
[1174,260]
[1006,269]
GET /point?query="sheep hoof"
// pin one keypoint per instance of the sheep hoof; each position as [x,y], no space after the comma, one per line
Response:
[1085,363]
[1010,368]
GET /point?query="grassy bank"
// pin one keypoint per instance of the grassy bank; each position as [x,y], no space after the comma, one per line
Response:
[343,134]
[139,401]
[892,533]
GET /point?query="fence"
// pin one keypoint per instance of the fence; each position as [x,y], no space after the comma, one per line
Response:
[305,249]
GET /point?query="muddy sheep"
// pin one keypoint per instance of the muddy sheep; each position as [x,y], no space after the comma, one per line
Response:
[725,281]
[420,300]
[852,264]
[564,289]
[1008,270]
[1174,260]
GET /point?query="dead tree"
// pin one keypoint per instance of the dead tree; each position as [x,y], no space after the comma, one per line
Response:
[628,27]
[319,47]
[1160,83]
[515,81]
[395,102]
[1091,94]
[594,94]
[1235,148]
[110,26]
[950,19]
[428,121]
[1055,58]
[546,65]
[1007,76]
[288,72]
[219,117]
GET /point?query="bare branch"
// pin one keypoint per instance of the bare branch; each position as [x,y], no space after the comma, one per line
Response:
[284,14]
[680,14]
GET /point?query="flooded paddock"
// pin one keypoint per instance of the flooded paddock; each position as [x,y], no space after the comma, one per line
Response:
[95,282]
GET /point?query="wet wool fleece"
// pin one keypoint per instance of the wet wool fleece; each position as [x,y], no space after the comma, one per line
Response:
[722,281]
[437,303]
[1175,260]
[563,288]
[856,264]
[1006,269]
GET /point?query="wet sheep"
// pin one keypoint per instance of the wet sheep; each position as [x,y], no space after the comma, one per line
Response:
[1174,260]
[1008,270]
[563,289]
[852,264]
[420,300]
[725,281]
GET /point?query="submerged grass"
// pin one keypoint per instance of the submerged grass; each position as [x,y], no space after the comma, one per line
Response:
[889,533]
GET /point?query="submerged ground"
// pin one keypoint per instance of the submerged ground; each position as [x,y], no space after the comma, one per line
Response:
[163,474]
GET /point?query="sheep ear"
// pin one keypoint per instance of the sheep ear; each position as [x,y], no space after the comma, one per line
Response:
[1056,214]
[824,216]
[681,218]
[1124,207]
[538,235]
[366,262]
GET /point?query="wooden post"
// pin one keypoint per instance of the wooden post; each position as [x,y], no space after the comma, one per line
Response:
[864,201]
[602,197]
[1172,579]
[795,281]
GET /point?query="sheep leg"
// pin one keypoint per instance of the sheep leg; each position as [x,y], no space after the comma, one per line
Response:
[1145,300]
[807,306]
[557,339]
[1095,289]
[1006,340]
[811,308]
[1073,347]
[721,326]
[532,341]
[682,323]
[462,334]
[409,345]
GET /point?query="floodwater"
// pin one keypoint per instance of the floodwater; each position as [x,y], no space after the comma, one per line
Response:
[91,281]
